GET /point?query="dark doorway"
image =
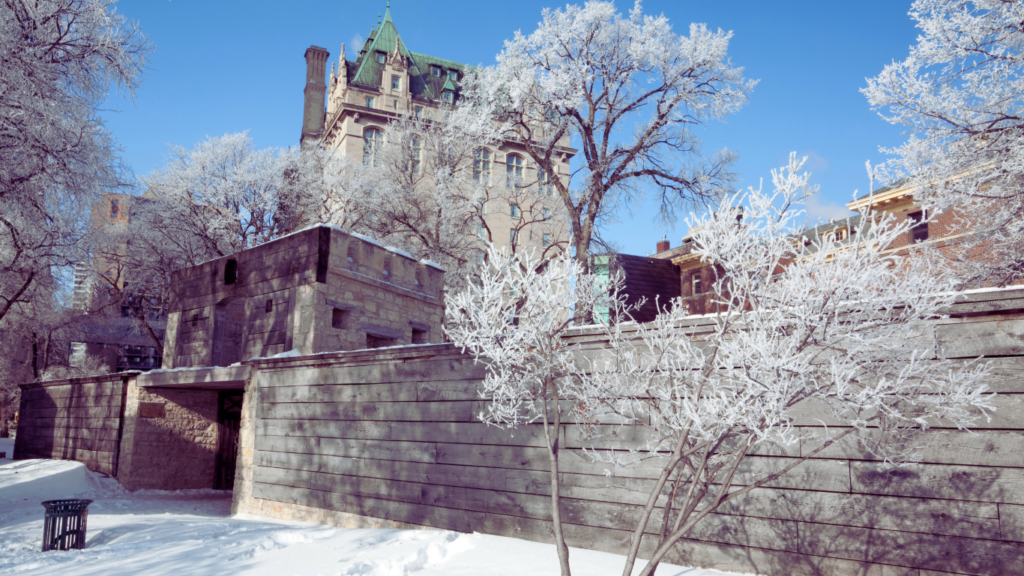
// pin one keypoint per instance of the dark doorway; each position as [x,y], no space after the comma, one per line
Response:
[229,422]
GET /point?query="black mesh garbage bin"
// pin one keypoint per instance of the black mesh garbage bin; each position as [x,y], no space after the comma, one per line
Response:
[64,525]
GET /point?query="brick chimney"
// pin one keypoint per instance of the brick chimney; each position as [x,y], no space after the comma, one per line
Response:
[313,110]
[663,246]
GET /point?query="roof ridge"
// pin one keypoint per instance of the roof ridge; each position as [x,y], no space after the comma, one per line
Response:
[438,60]
[382,35]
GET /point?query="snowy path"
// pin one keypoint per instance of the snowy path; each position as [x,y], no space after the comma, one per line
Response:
[192,532]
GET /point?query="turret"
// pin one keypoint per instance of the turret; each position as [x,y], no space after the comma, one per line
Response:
[313,110]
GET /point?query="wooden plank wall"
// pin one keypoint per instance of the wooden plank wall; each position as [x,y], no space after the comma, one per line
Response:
[78,419]
[398,437]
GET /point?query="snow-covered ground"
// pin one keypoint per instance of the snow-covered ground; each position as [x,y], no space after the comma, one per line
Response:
[192,532]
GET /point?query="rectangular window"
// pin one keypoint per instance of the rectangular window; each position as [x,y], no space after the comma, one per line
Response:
[419,111]
[543,183]
[448,96]
[919,230]
[381,57]
[339,318]
[374,341]
[513,235]
[482,166]
[394,104]
[547,213]
[231,271]
[545,240]
[514,211]
[482,232]
[454,75]
[419,336]
[115,208]
[696,284]
[369,101]
[435,71]
[395,83]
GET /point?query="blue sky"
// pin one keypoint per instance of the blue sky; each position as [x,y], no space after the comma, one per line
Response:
[226,66]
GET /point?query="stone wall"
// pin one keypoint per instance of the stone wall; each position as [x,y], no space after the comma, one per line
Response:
[394,438]
[170,438]
[317,290]
[78,419]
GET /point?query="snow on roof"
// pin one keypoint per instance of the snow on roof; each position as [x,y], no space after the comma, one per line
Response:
[289,354]
[432,264]
[399,251]
[366,238]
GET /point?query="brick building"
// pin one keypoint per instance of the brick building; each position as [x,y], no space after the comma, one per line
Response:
[696,277]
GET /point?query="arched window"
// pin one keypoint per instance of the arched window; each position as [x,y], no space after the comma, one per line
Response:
[514,170]
[482,166]
[373,146]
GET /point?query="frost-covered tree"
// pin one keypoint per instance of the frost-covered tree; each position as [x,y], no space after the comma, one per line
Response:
[220,197]
[223,196]
[420,188]
[629,91]
[58,59]
[514,319]
[36,337]
[816,324]
[960,95]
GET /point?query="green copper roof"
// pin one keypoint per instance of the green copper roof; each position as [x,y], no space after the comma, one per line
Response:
[367,71]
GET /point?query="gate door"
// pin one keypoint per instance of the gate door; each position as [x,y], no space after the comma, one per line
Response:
[229,421]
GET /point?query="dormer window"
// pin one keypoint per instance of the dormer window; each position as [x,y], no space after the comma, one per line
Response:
[369,101]
[454,75]
[448,96]
[435,71]
[381,57]
[396,83]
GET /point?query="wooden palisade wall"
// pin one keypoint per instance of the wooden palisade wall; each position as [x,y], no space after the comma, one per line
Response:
[78,419]
[393,438]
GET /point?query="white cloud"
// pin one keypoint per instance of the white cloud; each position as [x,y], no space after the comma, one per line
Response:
[357,44]
[819,209]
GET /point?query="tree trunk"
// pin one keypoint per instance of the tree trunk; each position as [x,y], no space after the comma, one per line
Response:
[584,314]
[140,315]
[5,431]
[35,356]
[556,507]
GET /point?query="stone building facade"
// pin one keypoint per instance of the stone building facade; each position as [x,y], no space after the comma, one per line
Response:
[313,291]
[387,80]
[109,331]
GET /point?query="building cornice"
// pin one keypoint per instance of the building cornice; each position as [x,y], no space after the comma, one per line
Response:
[884,201]
[687,261]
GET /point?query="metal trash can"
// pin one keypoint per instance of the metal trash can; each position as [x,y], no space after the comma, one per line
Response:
[64,525]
